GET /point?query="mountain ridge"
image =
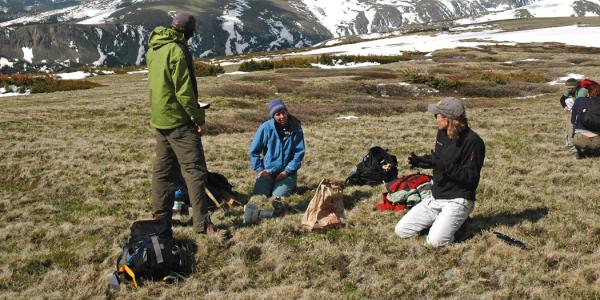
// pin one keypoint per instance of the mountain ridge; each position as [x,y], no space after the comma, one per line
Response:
[76,32]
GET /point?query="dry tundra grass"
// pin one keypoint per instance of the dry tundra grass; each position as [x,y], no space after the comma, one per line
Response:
[76,170]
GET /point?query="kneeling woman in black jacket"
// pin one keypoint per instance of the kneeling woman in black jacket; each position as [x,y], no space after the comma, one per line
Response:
[456,162]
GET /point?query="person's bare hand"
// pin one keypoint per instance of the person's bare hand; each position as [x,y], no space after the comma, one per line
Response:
[264,173]
[202,129]
[281,176]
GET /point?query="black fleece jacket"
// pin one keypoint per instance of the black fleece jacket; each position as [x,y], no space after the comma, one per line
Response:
[460,162]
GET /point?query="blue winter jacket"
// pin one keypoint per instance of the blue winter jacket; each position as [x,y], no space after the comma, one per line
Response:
[278,154]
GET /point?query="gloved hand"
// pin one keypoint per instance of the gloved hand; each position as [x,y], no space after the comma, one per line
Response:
[424,161]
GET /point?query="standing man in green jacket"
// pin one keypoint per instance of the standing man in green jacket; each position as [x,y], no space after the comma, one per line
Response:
[178,120]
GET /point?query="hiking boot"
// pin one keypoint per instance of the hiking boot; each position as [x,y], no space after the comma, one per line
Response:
[211,231]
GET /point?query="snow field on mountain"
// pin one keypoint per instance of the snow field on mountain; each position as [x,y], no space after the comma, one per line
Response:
[541,9]
[570,35]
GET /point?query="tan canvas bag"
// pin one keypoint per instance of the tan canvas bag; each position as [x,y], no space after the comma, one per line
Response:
[326,209]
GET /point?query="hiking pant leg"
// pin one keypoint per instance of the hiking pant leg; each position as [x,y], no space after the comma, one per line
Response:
[263,186]
[569,135]
[583,142]
[163,177]
[187,146]
[453,214]
[420,217]
[285,187]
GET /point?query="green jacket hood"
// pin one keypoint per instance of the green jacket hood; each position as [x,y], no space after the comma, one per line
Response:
[161,36]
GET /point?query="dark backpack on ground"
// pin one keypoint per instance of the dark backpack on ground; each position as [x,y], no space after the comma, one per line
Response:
[151,254]
[217,183]
[590,118]
[370,171]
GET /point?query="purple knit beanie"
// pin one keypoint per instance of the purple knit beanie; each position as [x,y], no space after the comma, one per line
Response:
[276,105]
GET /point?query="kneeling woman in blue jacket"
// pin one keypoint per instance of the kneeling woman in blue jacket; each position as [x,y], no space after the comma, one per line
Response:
[280,142]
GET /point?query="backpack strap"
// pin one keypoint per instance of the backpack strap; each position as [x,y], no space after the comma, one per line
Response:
[128,271]
[113,282]
[156,246]
[190,63]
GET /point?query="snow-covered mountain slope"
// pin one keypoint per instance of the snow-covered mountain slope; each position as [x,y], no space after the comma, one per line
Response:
[542,9]
[346,17]
[83,12]
[475,37]
[66,32]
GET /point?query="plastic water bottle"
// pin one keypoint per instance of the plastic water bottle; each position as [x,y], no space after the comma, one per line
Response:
[178,204]
[178,194]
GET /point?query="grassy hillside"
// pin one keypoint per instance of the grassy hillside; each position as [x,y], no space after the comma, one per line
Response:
[76,170]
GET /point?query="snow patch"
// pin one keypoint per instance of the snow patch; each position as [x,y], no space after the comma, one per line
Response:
[142,47]
[89,12]
[233,73]
[529,97]
[572,35]
[233,25]
[347,118]
[4,62]
[278,29]
[538,9]
[563,79]
[102,58]
[73,75]
[12,91]
[27,54]
[348,65]
[138,72]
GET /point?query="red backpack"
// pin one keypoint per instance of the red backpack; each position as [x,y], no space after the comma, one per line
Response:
[407,183]
[587,83]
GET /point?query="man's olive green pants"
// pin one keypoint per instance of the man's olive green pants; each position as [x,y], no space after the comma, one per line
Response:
[180,150]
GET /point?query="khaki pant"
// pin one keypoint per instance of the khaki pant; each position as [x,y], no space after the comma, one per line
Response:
[443,217]
[180,150]
[586,143]
[569,135]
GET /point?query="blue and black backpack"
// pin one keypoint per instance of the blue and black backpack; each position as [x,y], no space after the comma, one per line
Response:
[151,254]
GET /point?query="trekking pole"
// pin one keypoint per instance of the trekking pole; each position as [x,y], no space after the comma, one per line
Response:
[510,240]
[212,197]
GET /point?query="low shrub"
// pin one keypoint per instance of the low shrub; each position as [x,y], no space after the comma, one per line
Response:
[437,83]
[262,65]
[254,65]
[327,59]
[203,69]
[49,85]
[43,83]
[294,62]
[504,78]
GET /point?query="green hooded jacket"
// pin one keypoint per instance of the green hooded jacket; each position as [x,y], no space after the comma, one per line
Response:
[173,101]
